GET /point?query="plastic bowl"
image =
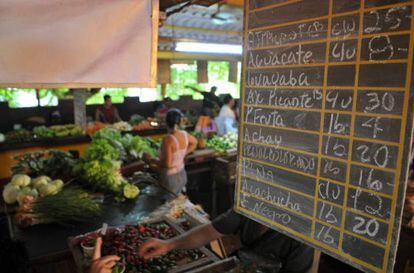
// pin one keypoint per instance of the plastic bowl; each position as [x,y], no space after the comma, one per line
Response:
[87,250]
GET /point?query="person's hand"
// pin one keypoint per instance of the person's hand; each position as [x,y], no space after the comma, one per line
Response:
[153,248]
[102,264]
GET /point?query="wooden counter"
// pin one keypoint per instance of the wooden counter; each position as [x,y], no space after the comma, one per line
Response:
[79,143]
[48,241]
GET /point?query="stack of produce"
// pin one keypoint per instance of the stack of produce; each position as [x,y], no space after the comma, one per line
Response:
[127,242]
[136,119]
[101,166]
[143,125]
[122,126]
[20,135]
[52,163]
[127,147]
[22,186]
[94,127]
[224,143]
[43,132]
[69,205]
[58,131]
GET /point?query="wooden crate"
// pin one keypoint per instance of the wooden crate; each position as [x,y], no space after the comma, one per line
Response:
[82,262]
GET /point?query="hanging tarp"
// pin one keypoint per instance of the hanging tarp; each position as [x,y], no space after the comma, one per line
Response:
[78,43]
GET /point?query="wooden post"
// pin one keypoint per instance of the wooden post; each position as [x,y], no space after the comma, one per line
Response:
[233,72]
[38,97]
[79,106]
[163,90]
[202,71]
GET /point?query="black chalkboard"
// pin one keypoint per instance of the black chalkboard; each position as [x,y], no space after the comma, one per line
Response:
[325,125]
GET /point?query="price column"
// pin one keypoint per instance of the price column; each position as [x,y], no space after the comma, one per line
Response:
[339,91]
[382,86]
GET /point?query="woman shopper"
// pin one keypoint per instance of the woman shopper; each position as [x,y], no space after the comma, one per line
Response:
[226,120]
[175,146]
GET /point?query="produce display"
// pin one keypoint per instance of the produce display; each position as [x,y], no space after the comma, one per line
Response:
[125,243]
[100,168]
[22,186]
[122,126]
[136,119]
[101,149]
[103,175]
[70,205]
[20,135]
[223,143]
[58,131]
[94,127]
[143,125]
[43,132]
[52,163]
[136,146]
[128,147]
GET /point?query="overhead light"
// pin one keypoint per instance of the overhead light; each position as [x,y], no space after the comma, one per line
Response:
[208,48]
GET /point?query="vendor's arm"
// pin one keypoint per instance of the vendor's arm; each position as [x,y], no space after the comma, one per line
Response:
[195,89]
[227,223]
[195,238]
[192,144]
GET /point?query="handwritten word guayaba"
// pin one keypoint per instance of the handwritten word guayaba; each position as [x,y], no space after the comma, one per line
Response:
[289,159]
[282,57]
[259,137]
[279,37]
[289,78]
[275,197]
[261,117]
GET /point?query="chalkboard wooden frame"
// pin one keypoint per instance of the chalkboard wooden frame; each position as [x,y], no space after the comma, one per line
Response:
[358,247]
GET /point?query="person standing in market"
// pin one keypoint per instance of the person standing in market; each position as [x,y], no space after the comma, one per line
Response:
[107,113]
[267,250]
[211,103]
[175,146]
[226,120]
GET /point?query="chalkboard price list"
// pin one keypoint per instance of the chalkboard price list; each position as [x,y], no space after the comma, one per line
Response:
[325,123]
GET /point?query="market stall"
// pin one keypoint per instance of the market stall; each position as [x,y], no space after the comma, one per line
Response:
[111,169]
[307,171]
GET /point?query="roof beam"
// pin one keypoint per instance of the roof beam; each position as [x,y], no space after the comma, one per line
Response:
[174,55]
[216,31]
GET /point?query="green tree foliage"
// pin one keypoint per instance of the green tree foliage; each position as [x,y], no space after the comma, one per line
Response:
[117,95]
[181,75]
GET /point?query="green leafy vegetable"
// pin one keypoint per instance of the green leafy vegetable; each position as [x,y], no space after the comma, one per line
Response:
[223,143]
[43,131]
[105,175]
[101,149]
[52,163]
[108,133]
[136,119]
[136,146]
[70,205]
